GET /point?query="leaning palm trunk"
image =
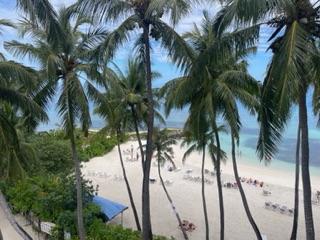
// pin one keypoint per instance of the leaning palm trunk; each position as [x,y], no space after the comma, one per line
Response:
[6,209]
[135,120]
[146,217]
[133,206]
[219,184]
[204,194]
[81,229]
[171,203]
[303,121]
[296,189]
[243,196]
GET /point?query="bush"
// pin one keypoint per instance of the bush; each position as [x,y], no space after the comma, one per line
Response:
[54,155]
[53,199]
[100,231]
[97,145]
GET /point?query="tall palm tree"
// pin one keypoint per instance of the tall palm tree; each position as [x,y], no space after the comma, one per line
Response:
[215,82]
[293,47]
[16,101]
[145,15]
[131,93]
[62,65]
[118,117]
[296,189]
[195,137]
[162,148]
[41,12]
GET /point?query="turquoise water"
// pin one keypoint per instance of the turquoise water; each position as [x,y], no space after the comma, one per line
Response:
[285,158]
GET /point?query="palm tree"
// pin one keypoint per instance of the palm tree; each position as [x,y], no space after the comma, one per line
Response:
[162,148]
[197,143]
[118,118]
[296,189]
[17,83]
[131,92]
[215,82]
[288,78]
[41,12]
[145,15]
[15,153]
[62,62]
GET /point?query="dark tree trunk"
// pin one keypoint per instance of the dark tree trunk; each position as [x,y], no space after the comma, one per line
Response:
[146,216]
[296,189]
[81,229]
[243,196]
[133,206]
[204,204]
[171,203]
[219,184]
[136,127]
[303,120]
[1,237]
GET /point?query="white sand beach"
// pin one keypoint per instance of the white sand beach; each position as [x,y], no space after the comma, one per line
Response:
[187,197]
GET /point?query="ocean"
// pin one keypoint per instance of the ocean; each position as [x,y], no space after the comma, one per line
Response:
[284,159]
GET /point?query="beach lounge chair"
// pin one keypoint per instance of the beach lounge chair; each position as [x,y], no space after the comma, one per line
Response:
[290,211]
[275,207]
[168,182]
[268,205]
[315,200]
[152,180]
[266,193]
[283,209]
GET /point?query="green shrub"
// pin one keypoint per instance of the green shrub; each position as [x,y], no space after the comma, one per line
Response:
[97,145]
[100,231]
[54,155]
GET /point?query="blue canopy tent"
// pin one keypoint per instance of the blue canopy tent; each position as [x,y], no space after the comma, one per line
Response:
[109,208]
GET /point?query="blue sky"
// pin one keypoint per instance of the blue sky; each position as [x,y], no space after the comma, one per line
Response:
[257,62]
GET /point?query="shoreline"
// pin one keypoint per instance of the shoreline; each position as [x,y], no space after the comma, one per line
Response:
[186,195]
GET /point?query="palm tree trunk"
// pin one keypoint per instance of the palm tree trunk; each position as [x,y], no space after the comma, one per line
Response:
[7,211]
[171,203]
[303,120]
[146,216]
[219,184]
[204,193]
[81,229]
[135,120]
[243,196]
[133,206]
[296,189]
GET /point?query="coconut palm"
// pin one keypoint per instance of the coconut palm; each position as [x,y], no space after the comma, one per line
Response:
[145,15]
[131,92]
[163,151]
[292,43]
[296,189]
[198,138]
[62,66]
[216,80]
[119,119]
[41,12]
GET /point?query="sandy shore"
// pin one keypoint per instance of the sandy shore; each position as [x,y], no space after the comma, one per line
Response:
[187,197]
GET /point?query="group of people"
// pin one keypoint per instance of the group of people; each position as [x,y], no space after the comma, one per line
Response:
[230,185]
[131,154]
[251,181]
[188,226]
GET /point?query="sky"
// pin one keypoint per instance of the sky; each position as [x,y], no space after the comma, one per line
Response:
[160,63]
